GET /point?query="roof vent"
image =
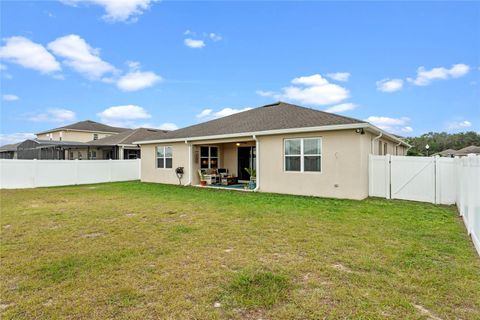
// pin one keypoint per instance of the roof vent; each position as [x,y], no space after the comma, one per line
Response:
[272,104]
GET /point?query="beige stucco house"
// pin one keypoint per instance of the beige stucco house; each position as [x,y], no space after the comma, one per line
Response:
[295,150]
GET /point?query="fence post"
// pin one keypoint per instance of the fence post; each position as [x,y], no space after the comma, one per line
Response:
[388,176]
[436,181]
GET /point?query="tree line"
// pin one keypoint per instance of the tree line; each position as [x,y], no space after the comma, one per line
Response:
[439,141]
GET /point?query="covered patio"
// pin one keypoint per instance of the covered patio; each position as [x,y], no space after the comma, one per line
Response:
[224,164]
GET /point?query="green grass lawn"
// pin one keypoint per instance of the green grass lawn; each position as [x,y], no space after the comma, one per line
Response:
[149,251]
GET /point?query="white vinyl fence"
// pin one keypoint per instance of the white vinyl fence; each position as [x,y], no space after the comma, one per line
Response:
[431,179]
[47,173]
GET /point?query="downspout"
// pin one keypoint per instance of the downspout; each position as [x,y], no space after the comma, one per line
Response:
[189,182]
[257,163]
[373,142]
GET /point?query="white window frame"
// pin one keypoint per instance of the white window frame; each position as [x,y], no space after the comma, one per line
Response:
[302,155]
[164,157]
[210,156]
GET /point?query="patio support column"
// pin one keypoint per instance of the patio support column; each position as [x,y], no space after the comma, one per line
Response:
[257,163]
[190,161]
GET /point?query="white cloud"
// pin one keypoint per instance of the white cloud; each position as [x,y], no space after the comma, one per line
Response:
[339,76]
[81,57]
[3,67]
[137,80]
[215,37]
[168,126]
[389,85]
[265,93]
[341,107]
[118,10]
[425,77]
[204,113]
[123,115]
[393,125]
[229,111]
[209,114]
[196,44]
[10,97]
[28,54]
[54,115]
[459,124]
[8,138]
[315,90]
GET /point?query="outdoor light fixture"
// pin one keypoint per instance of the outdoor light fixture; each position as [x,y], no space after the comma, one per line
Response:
[427,147]
[238,144]
[360,130]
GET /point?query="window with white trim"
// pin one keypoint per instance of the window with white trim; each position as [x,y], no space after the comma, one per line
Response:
[164,157]
[208,157]
[303,155]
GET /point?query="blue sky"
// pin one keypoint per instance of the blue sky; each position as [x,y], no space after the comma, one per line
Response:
[408,67]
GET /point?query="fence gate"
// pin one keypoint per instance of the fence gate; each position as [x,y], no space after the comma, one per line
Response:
[426,179]
[413,178]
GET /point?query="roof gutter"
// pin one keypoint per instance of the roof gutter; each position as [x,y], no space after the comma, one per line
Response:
[260,133]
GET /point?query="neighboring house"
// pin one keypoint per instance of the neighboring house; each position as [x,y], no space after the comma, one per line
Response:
[467,150]
[82,131]
[46,149]
[82,140]
[295,150]
[446,153]
[9,151]
[121,146]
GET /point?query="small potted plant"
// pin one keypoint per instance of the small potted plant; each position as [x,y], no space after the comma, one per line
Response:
[203,182]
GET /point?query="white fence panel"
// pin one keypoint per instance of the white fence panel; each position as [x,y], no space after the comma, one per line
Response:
[93,172]
[445,176]
[413,178]
[379,177]
[45,173]
[468,195]
[53,173]
[17,173]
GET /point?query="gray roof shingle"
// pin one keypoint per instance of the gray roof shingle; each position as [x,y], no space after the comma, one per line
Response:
[9,147]
[274,116]
[127,137]
[88,125]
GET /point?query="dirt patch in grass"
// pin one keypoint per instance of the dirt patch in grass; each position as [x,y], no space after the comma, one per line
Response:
[254,289]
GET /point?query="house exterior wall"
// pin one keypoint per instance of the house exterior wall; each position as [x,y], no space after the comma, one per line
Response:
[344,166]
[344,163]
[392,147]
[149,170]
[67,135]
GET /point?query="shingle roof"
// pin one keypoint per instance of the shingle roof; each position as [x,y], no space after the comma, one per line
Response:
[468,150]
[127,137]
[275,116]
[446,152]
[88,125]
[9,147]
